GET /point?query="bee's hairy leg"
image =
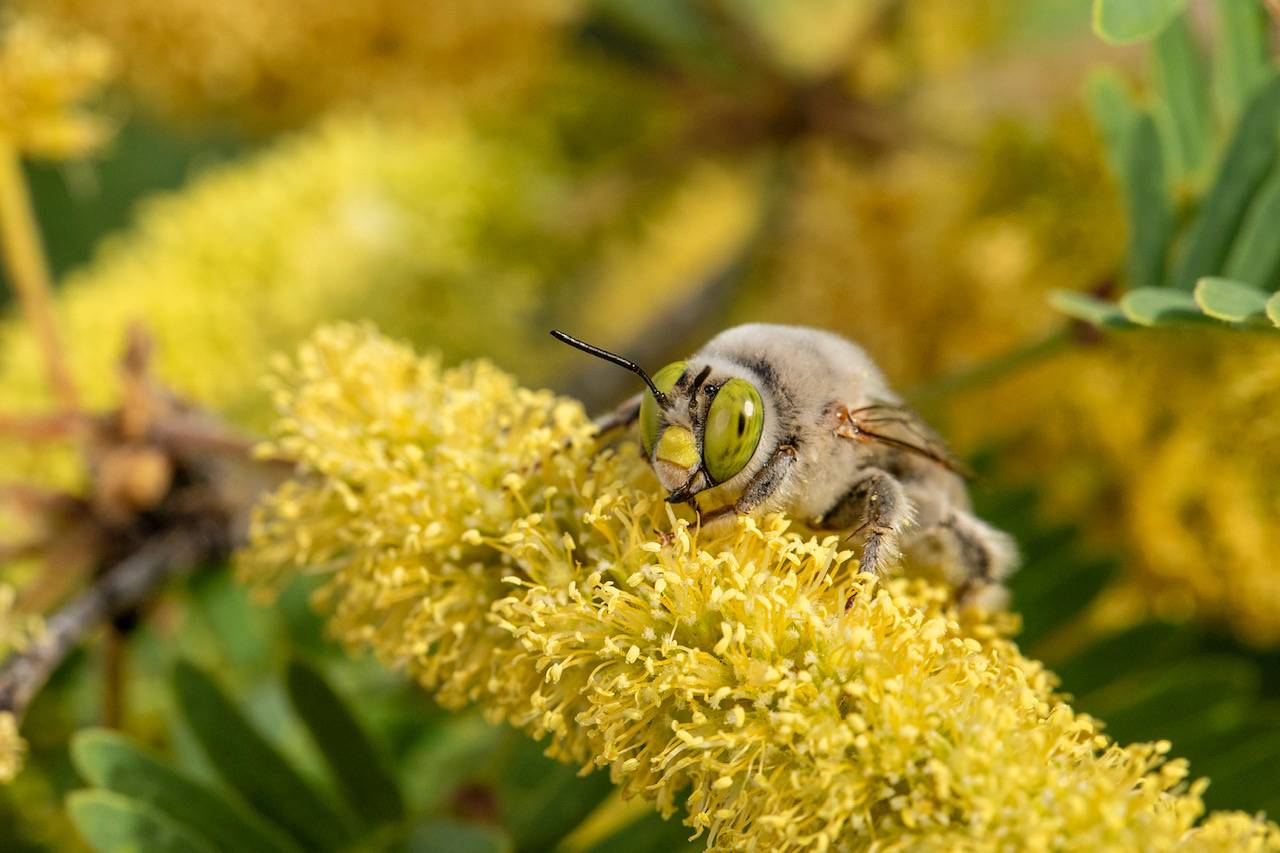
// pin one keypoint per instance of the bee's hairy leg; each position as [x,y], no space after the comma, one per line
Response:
[768,479]
[984,557]
[876,504]
[762,486]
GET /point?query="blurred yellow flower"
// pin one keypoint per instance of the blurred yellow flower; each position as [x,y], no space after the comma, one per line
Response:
[44,77]
[473,531]
[358,218]
[1171,443]
[16,628]
[939,258]
[12,748]
[280,62]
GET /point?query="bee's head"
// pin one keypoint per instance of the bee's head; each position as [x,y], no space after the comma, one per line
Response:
[698,430]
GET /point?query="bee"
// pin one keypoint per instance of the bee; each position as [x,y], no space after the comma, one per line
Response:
[799,420]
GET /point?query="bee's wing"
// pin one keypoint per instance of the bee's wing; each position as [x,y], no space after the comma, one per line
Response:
[895,425]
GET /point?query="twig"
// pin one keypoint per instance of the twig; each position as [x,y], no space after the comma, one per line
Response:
[1008,362]
[12,551]
[29,272]
[196,432]
[122,588]
[34,428]
[37,500]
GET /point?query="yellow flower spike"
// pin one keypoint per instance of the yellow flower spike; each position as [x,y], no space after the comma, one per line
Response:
[252,255]
[229,60]
[1175,407]
[44,76]
[918,735]
[12,748]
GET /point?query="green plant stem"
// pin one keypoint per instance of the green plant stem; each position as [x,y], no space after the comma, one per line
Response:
[997,367]
[29,272]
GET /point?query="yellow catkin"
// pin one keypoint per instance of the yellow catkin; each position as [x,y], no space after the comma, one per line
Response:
[1169,444]
[45,75]
[473,532]
[16,630]
[272,63]
[358,218]
[12,748]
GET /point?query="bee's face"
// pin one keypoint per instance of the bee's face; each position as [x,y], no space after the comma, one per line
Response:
[707,433]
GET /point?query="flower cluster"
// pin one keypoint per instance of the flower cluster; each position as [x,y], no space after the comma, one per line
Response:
[1019,211]
[16,630]
[475,533]
[281,62]
[359,216]
[44,76]
[12,748]
[1151,427]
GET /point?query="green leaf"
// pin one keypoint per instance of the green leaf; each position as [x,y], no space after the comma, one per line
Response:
[450,836]
[1248,775]
[110,760]
[1245,165]
[647,833]
[447,756]
[1056,589]
[252,766]
[1240,54]
[231,622]
[1232,301]
[1255,253]
[1185,699]
[1111,108]
[1090,309]
[1273,309]
[542,799]
[1160,306]
[114,823]
[1150,223]
[1115,656]
[353,759]
[674,25]
[1184,101]
[1125,21]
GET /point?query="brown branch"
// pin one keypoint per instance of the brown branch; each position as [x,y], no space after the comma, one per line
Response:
[30,429]
[37,500]
[11,551]
[197,433]
[29,273]
[117,591]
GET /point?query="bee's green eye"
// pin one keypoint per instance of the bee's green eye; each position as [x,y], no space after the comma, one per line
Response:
[665,379]
[733,429]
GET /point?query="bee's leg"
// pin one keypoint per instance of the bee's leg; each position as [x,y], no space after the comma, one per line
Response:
[982,557]
[623,416]
[877,504]
[763,486]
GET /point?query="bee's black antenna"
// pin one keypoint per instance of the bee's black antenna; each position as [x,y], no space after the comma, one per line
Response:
[614,359]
